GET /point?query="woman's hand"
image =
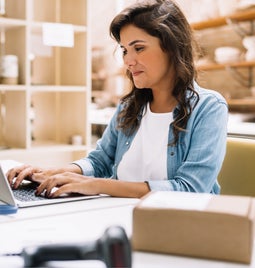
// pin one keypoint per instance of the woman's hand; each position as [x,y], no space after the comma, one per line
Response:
[17,174]
[67,182]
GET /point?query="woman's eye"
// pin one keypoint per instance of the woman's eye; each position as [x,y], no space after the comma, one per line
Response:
[139,49]
[124,52]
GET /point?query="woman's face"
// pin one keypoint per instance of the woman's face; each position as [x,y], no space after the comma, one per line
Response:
[148,63]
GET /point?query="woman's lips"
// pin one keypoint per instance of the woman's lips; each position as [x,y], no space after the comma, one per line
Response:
[136,73]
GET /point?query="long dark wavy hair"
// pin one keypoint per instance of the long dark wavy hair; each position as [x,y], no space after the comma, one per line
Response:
[162,19]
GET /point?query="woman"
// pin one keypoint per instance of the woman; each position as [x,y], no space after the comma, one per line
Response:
[167,133]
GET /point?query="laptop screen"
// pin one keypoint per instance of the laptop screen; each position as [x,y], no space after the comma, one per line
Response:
[6,194]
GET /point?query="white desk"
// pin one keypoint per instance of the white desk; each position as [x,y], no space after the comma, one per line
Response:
[80,222]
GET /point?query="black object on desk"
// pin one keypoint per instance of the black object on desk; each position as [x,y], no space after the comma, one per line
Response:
[113,248]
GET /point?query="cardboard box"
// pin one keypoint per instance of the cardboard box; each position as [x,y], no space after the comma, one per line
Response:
[199,225]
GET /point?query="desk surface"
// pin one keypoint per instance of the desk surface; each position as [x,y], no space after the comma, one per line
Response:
[83,221]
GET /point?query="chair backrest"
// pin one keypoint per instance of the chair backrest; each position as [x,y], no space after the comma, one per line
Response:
[237,176]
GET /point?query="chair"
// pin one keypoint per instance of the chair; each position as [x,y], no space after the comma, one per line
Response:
[237,176]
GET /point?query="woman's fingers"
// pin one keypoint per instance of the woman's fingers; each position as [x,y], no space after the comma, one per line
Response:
[46,186]
[86,187]
[64,189]
[13,172]
[54,181]
[67,183]
[16,175]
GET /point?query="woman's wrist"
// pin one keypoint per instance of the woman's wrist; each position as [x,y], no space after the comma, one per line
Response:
[120,188]
[73,168]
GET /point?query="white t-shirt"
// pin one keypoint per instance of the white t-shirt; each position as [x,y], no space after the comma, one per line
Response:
[146,158]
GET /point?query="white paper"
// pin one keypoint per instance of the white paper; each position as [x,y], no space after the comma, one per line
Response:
[177,200]
[58,34]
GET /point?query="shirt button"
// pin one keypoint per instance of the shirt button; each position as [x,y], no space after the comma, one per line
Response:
[127,143]
[172,153]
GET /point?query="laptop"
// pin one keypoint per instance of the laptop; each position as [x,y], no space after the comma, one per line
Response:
[25,196]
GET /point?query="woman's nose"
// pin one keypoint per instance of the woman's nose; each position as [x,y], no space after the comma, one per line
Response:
[129,60]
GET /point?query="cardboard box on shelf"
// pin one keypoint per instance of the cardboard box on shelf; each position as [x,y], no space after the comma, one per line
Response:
[195,224]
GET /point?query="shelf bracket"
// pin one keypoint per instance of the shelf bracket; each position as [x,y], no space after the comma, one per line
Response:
[243,80]
[240,30]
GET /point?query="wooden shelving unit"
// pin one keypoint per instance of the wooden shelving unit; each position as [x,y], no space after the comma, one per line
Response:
[217,66]
[241,16]
[232,19]
[54,83]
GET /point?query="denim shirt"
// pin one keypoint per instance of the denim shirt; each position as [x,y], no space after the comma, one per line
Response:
[193,163]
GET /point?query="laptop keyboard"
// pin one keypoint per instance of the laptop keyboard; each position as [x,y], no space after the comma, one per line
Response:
[27,193]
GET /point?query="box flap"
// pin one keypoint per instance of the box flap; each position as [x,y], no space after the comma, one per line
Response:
[175,200]
[234,205]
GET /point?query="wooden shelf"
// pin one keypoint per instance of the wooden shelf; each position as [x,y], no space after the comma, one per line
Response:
[240,105]
[54,88]
[244,101]
[4,87]
[216,66]
[50,103]
[7,23]
[221,21]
